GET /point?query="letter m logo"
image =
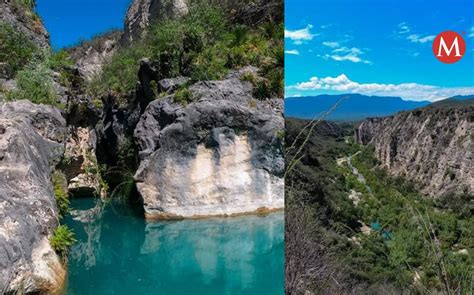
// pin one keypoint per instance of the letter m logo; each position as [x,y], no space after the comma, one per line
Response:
[449,47]
[444,47]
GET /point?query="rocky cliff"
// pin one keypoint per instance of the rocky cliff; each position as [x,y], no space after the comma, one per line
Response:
[31,144]
[432,146]
[22,17]
[142,13]
[90,56]
[219,155]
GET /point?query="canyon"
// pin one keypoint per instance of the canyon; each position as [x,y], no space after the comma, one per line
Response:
[220,154]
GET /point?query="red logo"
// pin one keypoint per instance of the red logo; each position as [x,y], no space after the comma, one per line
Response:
[449,47]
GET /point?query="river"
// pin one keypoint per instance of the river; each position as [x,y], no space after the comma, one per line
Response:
[118,252]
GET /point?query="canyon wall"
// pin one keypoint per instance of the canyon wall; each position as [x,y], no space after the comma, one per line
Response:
[31,144]
[432,146]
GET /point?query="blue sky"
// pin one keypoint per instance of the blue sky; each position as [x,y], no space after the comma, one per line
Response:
[69,21]
[376,47]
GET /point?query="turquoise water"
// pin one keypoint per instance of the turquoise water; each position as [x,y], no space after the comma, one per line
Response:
[119,253]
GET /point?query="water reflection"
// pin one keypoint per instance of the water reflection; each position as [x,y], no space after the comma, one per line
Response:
[119,253]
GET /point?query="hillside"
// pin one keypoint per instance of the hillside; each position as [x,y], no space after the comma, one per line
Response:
[432,146]
[353,107]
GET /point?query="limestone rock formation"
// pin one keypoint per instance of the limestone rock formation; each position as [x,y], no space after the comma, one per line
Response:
[31,144]
[221,154]
[432,146]
[142,13]
[91,56]
[24,20]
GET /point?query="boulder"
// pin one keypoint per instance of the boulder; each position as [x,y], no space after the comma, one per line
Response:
[221,154]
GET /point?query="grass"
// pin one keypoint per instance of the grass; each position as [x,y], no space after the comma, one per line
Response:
[62,239]
[35,83]
[16,50]
[32,67]
[425,238]
[28,4]
[60,192]
[183,96]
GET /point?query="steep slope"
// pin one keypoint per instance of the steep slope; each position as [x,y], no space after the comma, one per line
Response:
[432,146]
[142,13]
[31,143]
[352,107]
[21,16]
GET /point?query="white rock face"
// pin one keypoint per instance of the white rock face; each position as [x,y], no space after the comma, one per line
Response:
[432,146]
[31,142]
[222,182]
[221,154]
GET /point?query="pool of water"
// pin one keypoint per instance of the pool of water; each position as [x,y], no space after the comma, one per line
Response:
[118,252]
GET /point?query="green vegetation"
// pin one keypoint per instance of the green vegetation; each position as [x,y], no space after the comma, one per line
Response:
[62,239]
[28,4]
[202,45]
[183,96]
[416,244]
[424,239]
[16,50]
[60,192]
[35,83]
[92,167]
[31,67]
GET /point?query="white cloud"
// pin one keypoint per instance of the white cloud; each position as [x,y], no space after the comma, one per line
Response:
[298,36]
[331,44]
[403,28]
[471,32]
[347,54]
[418,39]
[408,91]
[292,52]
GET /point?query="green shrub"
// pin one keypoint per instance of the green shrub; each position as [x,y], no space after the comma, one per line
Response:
[62,239]
[120,74]
[203,46]
[16,50]
[60,192]
[28,4]
[262,90]
[35,83]
[249,77]
[183,96]
[59,60]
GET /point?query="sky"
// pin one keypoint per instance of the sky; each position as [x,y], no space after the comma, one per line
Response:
[376,47]
[69,21]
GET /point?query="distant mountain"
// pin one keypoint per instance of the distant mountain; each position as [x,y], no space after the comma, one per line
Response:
[462,97]
[455,101]
[354,107]
[452,102]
